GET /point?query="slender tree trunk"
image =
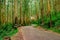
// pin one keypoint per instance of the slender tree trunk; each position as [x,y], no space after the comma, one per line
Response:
[42,12]
[15,12]
[21,16]
[37,13]
[55,7]
[49,8]
[3,12]
[0,10]
[49,13]
[12,12]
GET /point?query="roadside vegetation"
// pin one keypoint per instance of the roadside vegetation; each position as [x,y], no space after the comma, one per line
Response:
[7,30]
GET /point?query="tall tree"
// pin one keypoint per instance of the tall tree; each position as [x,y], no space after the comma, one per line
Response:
[49,13]
[21,14]
[3,12]
[36,7]
[42,11]
[25,11]
[56,6]
[0,10]
[15,12]
[30,12]
[49,8]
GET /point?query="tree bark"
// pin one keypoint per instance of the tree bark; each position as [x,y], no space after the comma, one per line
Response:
[15,12]
[42,12]
[49,13]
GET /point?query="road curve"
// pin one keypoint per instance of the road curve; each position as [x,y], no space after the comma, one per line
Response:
[31,33]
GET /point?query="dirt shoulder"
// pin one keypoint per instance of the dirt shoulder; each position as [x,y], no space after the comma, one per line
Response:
[18,35]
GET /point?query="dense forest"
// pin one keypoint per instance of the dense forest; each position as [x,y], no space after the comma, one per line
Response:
[44,13]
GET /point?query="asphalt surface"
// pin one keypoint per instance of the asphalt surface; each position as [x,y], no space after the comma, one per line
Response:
[31,33]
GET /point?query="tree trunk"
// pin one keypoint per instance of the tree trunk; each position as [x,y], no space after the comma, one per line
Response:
[21,14]
[3,12]
[42,12]
[15,12]
[49,13]
[0,10]
[36,8]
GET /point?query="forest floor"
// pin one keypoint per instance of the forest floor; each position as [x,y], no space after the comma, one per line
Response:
[31,33]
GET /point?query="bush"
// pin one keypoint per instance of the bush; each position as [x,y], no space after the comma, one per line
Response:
[55,21]
[7,30]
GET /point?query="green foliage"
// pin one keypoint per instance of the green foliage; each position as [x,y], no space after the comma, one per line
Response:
[55,29]
[34,22]
[7,30]
[55,21]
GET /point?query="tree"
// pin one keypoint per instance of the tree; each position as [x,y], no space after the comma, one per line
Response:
[3,11]
[49,13]
[0,10]
[42,11]
[21,14]
[15,12]
[36,8]
[25,11]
